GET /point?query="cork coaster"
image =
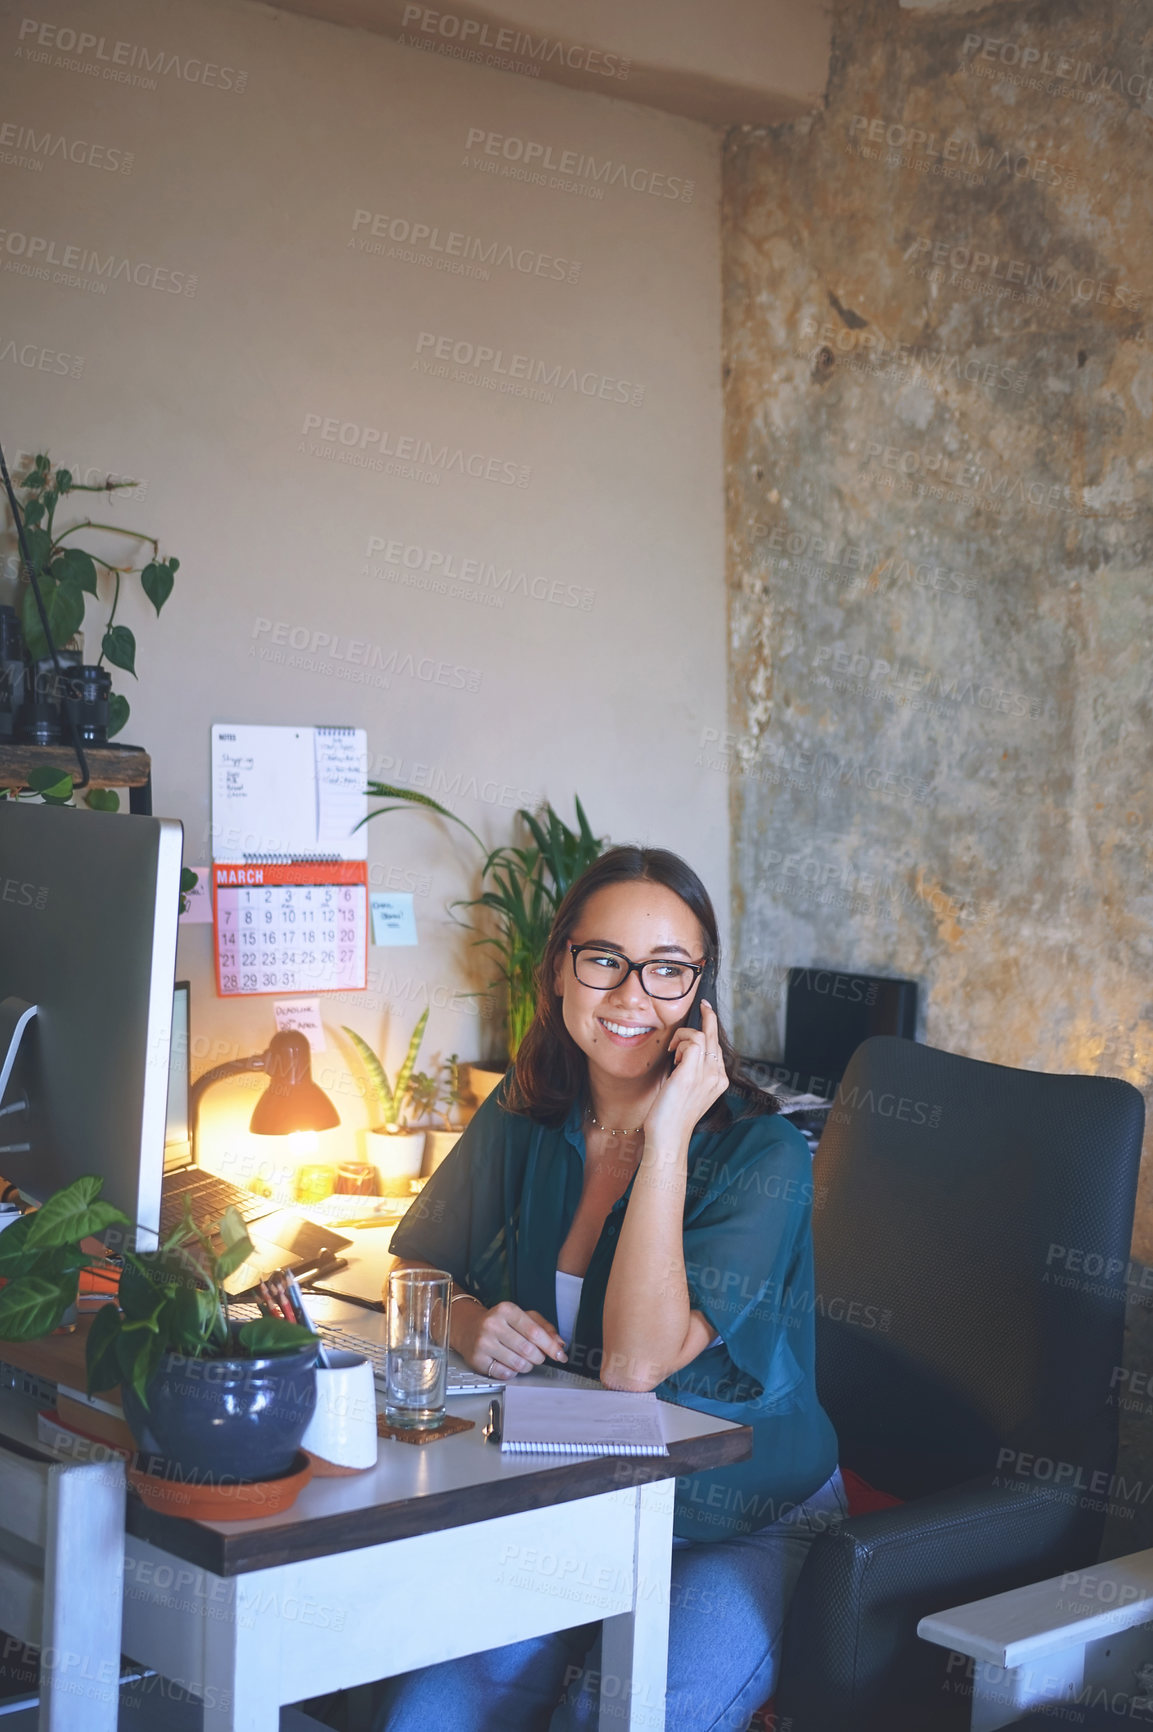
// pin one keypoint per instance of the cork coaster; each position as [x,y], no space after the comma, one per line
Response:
[430,1434]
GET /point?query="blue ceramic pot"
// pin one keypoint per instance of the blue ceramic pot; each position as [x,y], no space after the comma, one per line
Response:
[222,1421]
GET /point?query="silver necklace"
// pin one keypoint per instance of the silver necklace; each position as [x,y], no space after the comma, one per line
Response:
[595,1122]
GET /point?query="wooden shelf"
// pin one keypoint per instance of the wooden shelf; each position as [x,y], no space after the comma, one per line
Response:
[108,766]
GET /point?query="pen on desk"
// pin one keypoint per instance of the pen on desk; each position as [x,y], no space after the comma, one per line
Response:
[326,1264]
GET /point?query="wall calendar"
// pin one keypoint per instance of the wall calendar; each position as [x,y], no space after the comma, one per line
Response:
[295,927]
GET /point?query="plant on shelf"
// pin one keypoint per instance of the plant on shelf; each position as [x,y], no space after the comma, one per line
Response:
[68,574]
[171,1312]
[522,888]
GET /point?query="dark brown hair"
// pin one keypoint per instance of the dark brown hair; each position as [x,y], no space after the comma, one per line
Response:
[550,1071]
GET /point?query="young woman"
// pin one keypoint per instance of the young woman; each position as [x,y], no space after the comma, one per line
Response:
[627,1205]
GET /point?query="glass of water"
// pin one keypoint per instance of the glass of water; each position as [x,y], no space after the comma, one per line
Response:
[417,1361]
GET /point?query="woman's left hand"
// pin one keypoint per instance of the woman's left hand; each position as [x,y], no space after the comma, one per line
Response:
[697,1080]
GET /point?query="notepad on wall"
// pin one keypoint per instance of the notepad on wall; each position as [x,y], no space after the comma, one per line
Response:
[539,1420]
[281,794]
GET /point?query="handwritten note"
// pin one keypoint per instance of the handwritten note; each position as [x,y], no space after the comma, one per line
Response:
[302,1014]
[199,899]
[288,793]
[393,920]
[341,773]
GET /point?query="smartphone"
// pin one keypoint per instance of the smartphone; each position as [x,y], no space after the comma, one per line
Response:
[707,988]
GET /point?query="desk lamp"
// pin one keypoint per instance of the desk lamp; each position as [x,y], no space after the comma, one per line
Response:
[291,1102]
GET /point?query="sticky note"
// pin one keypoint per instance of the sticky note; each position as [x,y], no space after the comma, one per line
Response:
[199,899]
[302,1014]
[393,920]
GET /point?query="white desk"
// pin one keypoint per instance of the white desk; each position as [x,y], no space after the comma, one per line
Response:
[441,1550]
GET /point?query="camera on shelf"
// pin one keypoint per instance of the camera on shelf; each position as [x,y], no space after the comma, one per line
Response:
[36,699]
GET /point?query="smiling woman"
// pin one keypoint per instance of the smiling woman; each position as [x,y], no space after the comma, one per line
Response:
[628,1204]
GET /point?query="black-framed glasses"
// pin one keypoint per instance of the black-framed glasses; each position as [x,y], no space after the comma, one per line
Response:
[661,976]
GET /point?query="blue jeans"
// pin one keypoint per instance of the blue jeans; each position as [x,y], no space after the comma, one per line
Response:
[727,1608]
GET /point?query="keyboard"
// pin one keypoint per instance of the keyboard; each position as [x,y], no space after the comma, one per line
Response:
[281,1237]
[460,1379]
[209,1197]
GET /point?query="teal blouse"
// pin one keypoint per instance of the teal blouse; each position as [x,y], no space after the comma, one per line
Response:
[498,1209]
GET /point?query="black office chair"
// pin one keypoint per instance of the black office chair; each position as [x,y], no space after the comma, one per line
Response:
[973,1229]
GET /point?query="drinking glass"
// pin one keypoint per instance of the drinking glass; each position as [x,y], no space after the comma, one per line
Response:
[417,1358]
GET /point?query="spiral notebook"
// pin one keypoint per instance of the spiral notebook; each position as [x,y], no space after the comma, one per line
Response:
[284,794]
[543,1420]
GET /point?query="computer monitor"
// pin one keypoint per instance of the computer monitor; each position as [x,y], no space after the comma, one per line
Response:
[89,903]
[830,1011]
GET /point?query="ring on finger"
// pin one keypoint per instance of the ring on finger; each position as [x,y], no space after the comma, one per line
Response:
[491,1363]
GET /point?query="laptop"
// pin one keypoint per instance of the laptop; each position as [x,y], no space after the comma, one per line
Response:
[282,1238]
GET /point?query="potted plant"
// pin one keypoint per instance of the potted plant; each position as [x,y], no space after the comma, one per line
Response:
[399,1149]
[522,888]
[66,575]
[439,1095]
[220,1401]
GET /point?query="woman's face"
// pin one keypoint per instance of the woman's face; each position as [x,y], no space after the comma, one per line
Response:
[622,1031]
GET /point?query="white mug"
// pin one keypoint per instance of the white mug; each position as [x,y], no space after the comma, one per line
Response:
[341,1435]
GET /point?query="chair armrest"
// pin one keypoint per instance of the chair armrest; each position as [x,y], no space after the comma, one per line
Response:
[1028,1624]
[851,1634]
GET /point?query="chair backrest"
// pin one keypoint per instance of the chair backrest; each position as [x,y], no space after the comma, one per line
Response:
[971,1231]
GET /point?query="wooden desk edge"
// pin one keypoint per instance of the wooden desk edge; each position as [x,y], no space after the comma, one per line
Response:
[230,1554]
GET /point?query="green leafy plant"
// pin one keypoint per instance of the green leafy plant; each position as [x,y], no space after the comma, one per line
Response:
[423,1088]
[526,887]
[522,888]
[171,1300]
[68,574]
[392,1103]
[188,882]
[438,1093]
[55,787]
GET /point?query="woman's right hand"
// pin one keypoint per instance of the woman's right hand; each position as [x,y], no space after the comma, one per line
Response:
[505,1340]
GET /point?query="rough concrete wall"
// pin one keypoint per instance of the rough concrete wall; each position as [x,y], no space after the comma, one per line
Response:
[940,387]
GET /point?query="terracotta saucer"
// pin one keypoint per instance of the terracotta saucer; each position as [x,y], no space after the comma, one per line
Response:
[222,1503]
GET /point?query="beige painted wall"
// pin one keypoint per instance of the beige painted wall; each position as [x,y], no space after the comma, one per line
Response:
[725,62]
[267,178]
